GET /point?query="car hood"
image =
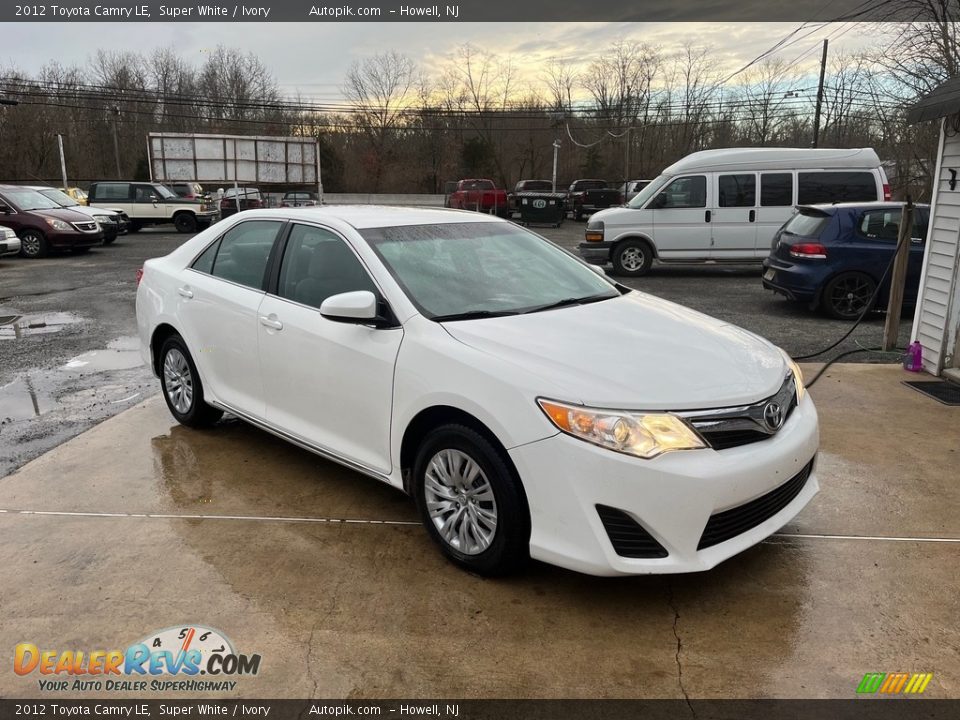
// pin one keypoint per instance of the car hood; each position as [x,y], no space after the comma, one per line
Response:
[633,352]
[621,213]
[65,214]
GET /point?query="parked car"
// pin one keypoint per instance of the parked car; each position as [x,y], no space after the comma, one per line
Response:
[9,242]
[479,195]
[249,199]
[585,197]
[725,205]
[299,198]
[152,204]
[539,186]
[42,225]
[629,190]
[76,193]
[833,256]
[112,222]
[467,361]
[188,190]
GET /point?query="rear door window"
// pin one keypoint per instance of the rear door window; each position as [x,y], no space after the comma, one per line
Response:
[776,189]
[737,190]
[834,187]
[243,253]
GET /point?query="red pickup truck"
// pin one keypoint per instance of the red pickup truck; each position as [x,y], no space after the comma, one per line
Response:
[479,195]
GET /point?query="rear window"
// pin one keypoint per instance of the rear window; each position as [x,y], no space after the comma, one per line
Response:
[478,185]
[111,191]
[806,225]
[834,187]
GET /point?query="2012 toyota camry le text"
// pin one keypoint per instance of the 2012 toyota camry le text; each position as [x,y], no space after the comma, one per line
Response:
[531,406]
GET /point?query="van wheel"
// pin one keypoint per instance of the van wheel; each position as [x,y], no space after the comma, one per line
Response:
[632,258]
[185,222]
[182,388]
[33,244]
[470,502]
[848,295]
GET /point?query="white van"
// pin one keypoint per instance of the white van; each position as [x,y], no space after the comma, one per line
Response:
[725,205]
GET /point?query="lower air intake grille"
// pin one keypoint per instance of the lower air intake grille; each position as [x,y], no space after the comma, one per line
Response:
[627,537]
[730,523]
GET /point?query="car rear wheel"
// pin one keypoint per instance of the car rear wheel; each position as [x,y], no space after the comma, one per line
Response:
[848,295]
[185,222]
[632,258]
[470,502]
[182,388]
[33,244]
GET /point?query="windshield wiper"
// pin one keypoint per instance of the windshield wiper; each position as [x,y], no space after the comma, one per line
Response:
[571,301]
[474,315]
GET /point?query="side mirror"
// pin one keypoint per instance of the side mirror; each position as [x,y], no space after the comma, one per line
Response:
[4,208]
[359,306]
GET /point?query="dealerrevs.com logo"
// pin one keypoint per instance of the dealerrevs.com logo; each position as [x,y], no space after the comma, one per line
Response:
[190,658]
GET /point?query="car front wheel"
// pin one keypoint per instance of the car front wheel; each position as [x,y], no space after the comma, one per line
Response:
[470,502]
[185,222]
[182,388]
[632,258]
[33,244]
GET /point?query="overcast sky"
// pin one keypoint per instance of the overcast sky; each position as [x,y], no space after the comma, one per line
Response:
[313,57]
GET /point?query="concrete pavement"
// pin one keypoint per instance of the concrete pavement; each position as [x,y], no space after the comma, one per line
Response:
[140,524]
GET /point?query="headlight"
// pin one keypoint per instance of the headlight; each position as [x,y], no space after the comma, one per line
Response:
[644,435]
[797,377]
[58,224]
[103,219]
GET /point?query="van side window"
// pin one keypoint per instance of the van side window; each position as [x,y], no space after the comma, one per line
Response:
[776,189]
[833,187]
[737,190]
[684,192]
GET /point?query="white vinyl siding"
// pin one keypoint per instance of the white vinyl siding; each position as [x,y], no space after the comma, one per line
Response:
[940,263]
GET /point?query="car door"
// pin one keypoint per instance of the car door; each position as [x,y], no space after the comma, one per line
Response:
[734,222]
[147,203]
[681,218]
[328,383]
[218,301]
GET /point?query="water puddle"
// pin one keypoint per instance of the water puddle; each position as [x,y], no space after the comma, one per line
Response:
[20,400]
[120,354]
[15,327]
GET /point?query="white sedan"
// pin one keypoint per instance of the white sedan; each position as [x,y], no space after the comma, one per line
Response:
[9,242]
[531,406]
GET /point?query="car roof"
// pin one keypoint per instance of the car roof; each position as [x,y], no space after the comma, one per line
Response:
[725,159]
[375,216]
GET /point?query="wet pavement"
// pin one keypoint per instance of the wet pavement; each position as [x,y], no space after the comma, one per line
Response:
[140,524]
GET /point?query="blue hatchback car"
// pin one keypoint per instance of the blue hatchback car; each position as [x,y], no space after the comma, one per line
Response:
[832,256]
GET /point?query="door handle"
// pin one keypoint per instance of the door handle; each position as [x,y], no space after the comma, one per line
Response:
[706,216]
[186,292]
[271,323]
[753,216]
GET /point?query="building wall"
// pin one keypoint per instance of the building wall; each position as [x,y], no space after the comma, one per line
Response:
[938,309]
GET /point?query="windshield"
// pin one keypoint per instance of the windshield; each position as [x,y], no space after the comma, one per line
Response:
[483,269]
[164,192]
[60,198]
[25,199]
[640,199]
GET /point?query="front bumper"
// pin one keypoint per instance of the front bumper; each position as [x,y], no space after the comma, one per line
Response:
[74,239]
[672,497]
[595,253]
[9,246]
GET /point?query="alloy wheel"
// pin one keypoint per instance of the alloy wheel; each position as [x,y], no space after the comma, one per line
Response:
[178,381]
[850,295]
[460,501]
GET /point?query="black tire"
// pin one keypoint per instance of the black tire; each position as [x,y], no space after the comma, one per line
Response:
[196,413]
[79,250]
[846,295]
[134,227]
[33,244]
[578,215]
[185,222]
[509,548]
[632,258]
[109,241]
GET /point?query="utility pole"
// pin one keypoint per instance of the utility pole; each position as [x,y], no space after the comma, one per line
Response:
[116,138]
[626,156]
[898,277]
[63,162]
[816,115]
[556,150]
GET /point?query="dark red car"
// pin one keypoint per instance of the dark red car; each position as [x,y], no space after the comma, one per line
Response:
[249,199]
[42,225]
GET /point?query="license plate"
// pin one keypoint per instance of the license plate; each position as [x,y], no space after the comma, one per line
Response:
[769,274]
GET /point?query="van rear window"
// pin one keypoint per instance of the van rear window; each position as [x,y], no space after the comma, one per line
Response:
[806,225]
[834,187]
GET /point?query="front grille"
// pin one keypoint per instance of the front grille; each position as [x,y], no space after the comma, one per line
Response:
[733,427]
[86,226]
[627,537]
[728,524]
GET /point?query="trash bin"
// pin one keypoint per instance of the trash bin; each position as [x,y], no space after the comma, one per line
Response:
[541,208]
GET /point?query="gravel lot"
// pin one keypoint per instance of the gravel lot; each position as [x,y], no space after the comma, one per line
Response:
[79,365]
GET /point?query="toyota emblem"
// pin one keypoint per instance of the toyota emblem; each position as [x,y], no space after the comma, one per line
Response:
[773,416]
